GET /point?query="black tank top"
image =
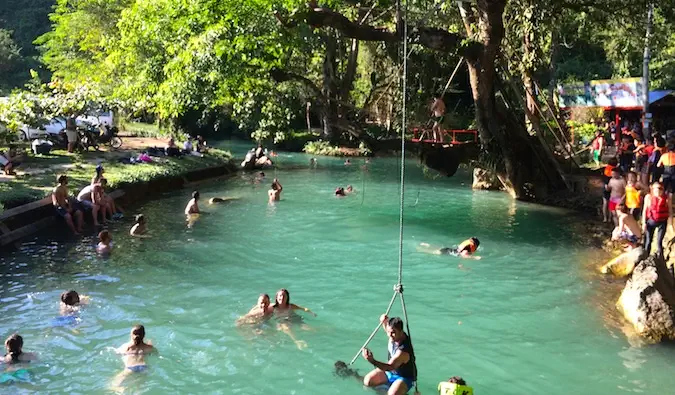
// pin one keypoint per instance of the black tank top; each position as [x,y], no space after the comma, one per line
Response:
[408,369]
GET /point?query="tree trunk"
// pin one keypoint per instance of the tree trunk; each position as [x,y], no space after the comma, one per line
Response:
[331,92]
[482,74]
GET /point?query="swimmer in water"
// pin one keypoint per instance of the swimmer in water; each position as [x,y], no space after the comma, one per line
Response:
[216,200]
[275,192]
[340,192]
[105,245]
[349,189]
[15,354]
[258,312]
[134,353]
[71,301]
[312,162]
[140,227]
[193,205]
[348,162]
[466,249]
[284,308]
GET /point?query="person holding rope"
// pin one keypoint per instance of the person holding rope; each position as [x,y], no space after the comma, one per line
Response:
[400,372]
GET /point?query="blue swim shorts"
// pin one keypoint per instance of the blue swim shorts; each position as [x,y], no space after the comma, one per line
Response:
[393,377]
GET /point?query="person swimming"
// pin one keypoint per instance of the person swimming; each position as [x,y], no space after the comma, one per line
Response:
[105,245]
[71,301]
[283,309]
[15,353]
[134,351]
[466,249]
[340,192]
[140,226]
[261,311]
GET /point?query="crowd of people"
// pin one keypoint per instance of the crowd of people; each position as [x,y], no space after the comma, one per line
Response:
[398,373]
[638,186]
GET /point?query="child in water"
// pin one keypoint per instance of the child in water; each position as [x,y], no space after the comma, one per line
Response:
[466,249]
[140,227]
[15,354]
[104,246]
[71,301]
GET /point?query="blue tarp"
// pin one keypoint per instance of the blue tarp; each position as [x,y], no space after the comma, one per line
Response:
[655,96]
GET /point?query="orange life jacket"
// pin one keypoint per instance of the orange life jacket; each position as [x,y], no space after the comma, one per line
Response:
[608,170]
[467,244]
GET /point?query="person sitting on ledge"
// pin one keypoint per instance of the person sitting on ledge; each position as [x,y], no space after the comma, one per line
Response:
[63,207]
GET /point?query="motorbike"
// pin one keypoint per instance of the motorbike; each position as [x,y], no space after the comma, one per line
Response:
[95,136]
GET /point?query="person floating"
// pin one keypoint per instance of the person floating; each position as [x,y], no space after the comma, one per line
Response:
[400,370]
[283,309]
[275,192]
[104,246]
[455,386]
[465,249]
[15,353]
[437,114]
[140,227]
[64,208]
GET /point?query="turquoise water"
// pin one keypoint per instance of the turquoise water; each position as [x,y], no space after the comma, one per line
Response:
[524,319]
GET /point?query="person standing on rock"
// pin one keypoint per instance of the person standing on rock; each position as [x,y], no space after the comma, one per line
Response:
[658,213]
[617,190]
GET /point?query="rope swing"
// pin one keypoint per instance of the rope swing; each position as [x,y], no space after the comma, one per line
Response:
[398,288]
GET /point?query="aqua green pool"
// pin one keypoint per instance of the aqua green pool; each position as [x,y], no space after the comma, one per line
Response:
[523,320]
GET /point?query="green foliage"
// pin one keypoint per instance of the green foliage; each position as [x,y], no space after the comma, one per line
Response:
[321,147]
[585,132]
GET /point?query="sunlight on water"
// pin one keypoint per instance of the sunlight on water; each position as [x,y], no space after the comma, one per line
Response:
[526,319]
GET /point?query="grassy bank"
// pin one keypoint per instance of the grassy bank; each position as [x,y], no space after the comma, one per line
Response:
[42,170]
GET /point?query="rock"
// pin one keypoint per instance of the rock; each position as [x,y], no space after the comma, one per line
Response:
[623,265]
[648,300]
[485,180]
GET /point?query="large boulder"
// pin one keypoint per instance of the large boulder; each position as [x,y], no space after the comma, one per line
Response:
[648,300]
[623,265]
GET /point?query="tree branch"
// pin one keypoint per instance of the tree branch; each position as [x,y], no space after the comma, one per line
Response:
[429,37]
[280,76]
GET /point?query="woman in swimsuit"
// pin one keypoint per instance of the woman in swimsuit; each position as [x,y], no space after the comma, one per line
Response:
[134,353]
[284,309]
[15,354]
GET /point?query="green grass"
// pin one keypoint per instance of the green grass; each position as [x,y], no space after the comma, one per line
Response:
[81,169]
[141,129]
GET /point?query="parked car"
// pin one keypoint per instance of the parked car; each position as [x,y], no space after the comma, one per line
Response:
[58,124]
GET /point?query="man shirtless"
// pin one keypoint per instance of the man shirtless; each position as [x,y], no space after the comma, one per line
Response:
[617,189]
[628,228]
[437,112]
[61,202]
[275,192]
[92,196]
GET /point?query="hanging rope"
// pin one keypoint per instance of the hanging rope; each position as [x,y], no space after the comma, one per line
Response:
[452,76]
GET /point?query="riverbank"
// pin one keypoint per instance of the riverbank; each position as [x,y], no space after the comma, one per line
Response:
[36,177]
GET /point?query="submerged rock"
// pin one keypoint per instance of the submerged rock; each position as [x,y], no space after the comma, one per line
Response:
[648,300]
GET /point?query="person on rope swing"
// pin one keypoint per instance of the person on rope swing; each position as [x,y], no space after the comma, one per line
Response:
[400,371]
[465,249]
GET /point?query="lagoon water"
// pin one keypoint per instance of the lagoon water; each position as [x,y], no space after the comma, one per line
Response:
[529,318]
